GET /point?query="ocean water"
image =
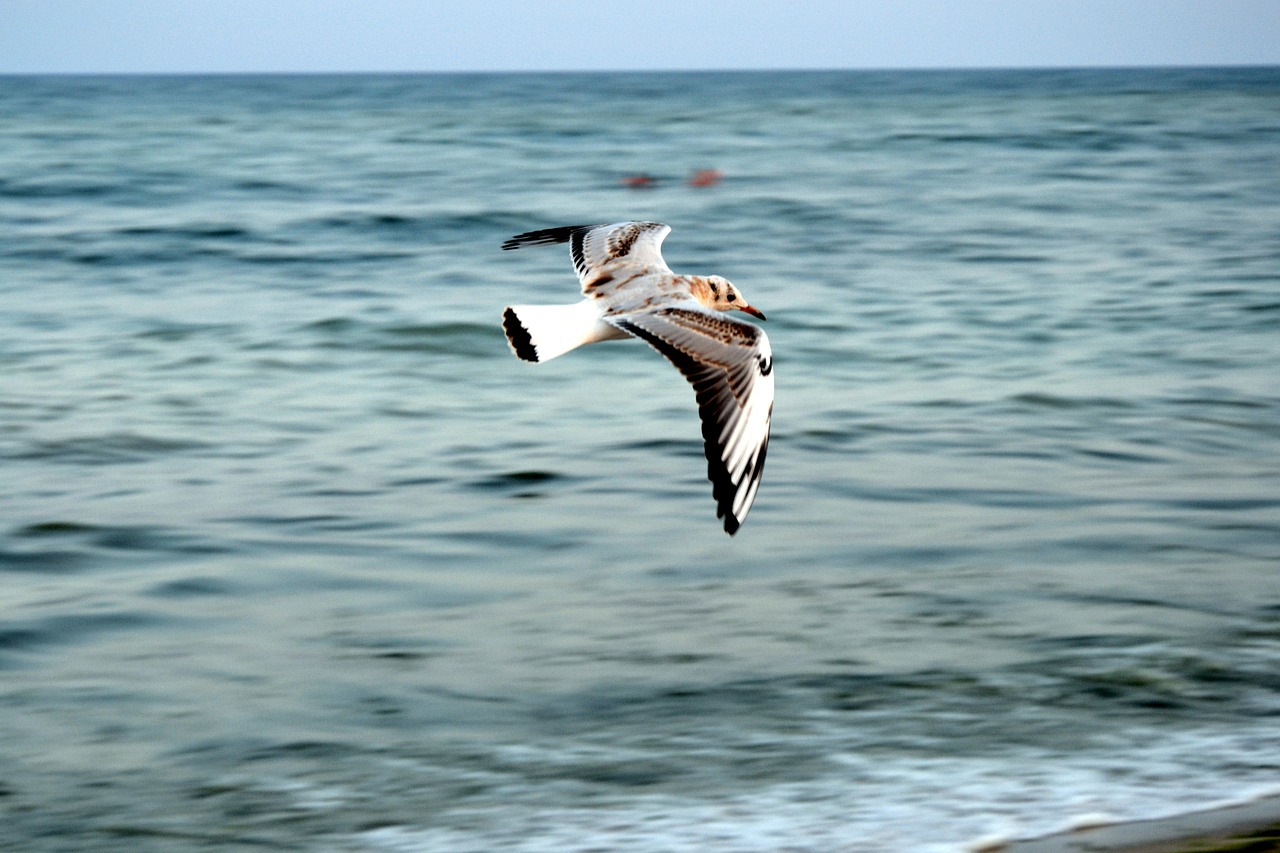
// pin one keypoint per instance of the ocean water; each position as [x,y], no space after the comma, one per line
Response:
[294,554]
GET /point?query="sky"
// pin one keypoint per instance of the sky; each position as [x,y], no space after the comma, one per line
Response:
[218,36]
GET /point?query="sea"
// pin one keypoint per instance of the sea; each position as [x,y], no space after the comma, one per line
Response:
[296,555]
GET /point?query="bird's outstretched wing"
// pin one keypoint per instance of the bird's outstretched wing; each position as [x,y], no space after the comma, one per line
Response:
[599,250]
[730,366]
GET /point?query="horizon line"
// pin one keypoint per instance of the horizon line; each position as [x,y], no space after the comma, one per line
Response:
[580,71]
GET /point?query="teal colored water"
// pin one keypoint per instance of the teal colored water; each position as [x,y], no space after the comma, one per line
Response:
[294,554]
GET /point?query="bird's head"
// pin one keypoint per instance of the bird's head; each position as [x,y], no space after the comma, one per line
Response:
[723,296]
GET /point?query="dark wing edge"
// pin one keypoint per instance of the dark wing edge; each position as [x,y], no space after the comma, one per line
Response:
[593,246]
[545,236]
[571,234]
[721,414]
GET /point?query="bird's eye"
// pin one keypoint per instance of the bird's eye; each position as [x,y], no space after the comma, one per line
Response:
[732,297]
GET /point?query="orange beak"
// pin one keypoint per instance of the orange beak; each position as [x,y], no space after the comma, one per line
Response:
[754,312]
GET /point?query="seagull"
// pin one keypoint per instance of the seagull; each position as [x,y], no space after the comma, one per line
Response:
[631,292]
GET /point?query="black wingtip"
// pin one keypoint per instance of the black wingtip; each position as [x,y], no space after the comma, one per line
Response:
[544,236]
[518,336]
[723,489]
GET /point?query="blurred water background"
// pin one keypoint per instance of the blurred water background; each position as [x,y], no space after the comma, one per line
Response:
[294,554]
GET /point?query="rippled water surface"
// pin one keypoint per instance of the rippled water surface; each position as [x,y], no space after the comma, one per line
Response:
[295,555]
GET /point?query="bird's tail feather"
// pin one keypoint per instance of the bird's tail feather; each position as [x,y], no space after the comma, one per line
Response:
[542,332]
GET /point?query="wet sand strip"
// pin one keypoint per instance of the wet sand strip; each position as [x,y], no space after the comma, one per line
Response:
[1252,827]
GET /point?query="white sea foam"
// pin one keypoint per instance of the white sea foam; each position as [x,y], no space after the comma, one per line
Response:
[945,805]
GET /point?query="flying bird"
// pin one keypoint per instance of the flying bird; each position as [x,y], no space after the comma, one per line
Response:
[630,291]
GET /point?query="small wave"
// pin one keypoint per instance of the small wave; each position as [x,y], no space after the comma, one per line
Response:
[1108,454]
[403,225]
[311,254]
[453,338]
[170,331]
[44,190]
[269,188]
[194,232]
[689,448]
[466,339]
[54,528]
[111,449]
[43,561]
[520,484]
[1077,139]
[37,634]
[1038,399]
[192,587]
[93,537]
[328,522]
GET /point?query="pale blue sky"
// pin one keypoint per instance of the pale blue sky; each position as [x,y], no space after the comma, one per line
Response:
[474,35]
